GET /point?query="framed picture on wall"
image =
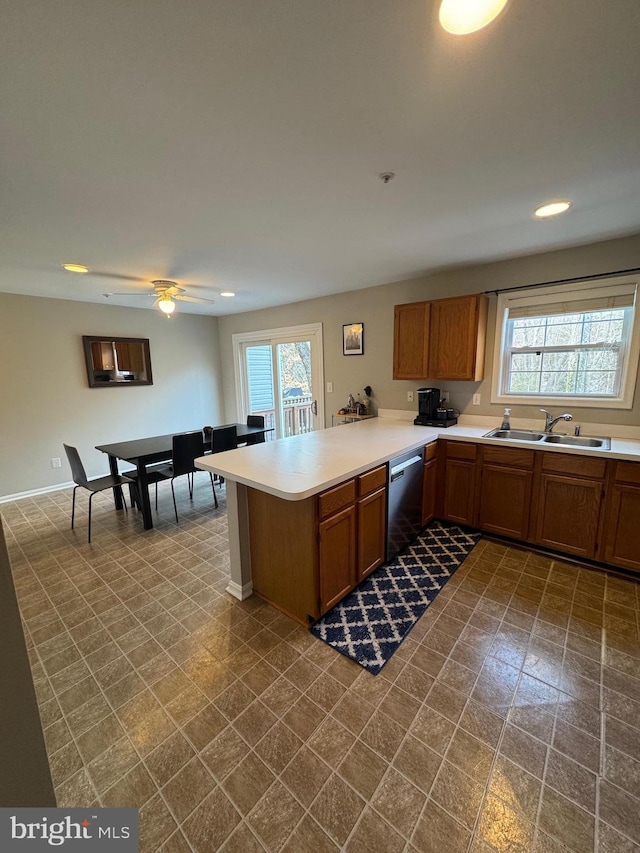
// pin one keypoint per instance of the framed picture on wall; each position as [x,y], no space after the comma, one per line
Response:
[353,339]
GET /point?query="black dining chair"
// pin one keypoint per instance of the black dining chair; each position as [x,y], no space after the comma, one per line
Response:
[101,484]
[255,421]
[186,447]
[223,438]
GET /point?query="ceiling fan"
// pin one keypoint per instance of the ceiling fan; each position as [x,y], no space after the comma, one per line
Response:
[165,292]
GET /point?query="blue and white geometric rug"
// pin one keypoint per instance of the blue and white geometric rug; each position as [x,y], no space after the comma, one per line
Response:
[369,624]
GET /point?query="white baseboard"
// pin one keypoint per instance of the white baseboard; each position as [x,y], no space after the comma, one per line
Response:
[240,592]
[32,493]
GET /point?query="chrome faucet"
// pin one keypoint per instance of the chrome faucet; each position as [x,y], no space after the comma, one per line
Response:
[550,421]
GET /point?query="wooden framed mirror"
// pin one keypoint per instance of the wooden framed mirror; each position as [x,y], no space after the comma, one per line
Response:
[115,362]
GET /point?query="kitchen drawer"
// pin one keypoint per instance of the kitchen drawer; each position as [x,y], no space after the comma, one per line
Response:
[628,472]
[460,450]
[513,457]
[577,466]
[337,498]
[430,451]
[372,480]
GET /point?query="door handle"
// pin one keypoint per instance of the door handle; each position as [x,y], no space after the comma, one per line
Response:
[314,407]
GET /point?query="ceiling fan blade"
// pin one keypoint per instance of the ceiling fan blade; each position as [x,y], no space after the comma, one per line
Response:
[121,276]
[194,299]
[131,293]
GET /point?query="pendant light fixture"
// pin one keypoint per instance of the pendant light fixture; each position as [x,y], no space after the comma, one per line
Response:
[461,17]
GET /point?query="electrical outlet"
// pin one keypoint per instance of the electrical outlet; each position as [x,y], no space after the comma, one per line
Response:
[409,396]
[476,399]
[445,397]
[55,462]
[329,387]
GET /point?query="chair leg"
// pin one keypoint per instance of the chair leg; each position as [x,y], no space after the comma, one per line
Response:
[173,494]
[213,486]
[89,527]
[73,508]
[156,496]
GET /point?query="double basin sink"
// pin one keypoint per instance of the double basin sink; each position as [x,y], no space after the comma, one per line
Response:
[551,438]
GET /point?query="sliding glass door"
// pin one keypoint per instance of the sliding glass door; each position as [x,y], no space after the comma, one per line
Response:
[279,376]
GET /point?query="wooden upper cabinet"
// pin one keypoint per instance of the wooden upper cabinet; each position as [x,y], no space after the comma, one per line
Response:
[458,337]
[444,339]
[411,340]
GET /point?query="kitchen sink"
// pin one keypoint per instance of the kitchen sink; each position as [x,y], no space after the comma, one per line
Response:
[579,441]
[515,434]
[553,438]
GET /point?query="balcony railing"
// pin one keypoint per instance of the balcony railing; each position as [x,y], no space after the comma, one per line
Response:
[297,417]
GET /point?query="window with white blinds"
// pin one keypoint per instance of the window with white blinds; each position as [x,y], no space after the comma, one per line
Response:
[573,343]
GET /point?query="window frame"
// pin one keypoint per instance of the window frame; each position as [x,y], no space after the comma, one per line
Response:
[546,295]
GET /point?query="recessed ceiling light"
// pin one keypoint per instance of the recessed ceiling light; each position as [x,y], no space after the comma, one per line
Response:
[227,293]
[75,267]
[466,16]
[552,209]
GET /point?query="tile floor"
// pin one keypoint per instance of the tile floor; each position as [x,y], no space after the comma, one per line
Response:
[509,720]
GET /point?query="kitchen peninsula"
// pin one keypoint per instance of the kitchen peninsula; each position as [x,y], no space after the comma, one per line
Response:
[282,495]
[276,517]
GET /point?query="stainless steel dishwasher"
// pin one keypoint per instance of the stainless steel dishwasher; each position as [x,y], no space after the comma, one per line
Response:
[404,518]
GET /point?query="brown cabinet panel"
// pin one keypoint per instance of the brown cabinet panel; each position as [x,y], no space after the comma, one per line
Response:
[430,451]
[337,557]
[460,450]
[568,513]
[627,472]
[459,491]
[334,499]
[372,532]
[429,490]
[284,534]
[574,465]
[458,336]
[513,457]
[622,528]
[372,480]
[411,340]
[505,500]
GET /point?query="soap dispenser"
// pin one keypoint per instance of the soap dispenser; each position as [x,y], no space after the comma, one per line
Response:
[505,419]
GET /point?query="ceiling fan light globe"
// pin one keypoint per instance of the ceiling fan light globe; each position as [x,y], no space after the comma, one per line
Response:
[461,17]
[166,305]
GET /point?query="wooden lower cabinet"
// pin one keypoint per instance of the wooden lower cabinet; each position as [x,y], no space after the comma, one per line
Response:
[621,531]
[372,539]
[568,494]
[458,466]
[337,557]
[429,490]
[504,500]
[307,555]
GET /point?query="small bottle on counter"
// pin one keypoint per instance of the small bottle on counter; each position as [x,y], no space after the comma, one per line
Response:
[506,424]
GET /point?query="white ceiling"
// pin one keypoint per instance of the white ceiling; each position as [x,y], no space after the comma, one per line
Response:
[236,144]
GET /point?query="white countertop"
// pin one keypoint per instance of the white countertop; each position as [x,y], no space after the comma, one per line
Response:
[303,465]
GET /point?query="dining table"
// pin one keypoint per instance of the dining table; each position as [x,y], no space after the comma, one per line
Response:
[143,452]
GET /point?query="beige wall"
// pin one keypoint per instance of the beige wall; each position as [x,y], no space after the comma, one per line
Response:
[45,399]
[374,307]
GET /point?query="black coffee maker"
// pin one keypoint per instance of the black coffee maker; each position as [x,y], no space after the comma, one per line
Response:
[428,403]
[429,411]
